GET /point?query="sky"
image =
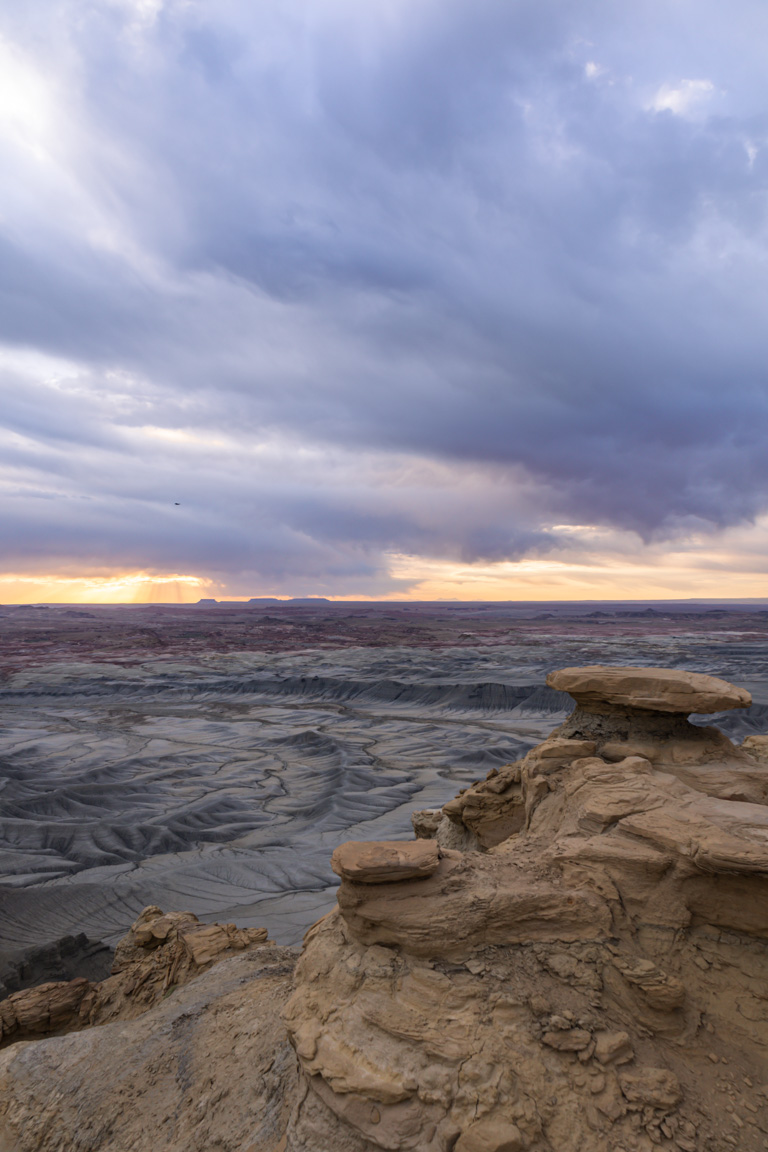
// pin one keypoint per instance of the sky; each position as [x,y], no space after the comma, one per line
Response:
[408,299]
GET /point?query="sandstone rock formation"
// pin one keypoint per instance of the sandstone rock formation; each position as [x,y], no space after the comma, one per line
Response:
[590,977]
[159,954]
[757,746]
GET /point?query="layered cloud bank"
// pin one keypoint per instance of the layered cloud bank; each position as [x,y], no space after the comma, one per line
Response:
[384,300]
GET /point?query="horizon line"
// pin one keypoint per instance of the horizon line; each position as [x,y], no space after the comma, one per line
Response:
[272,601]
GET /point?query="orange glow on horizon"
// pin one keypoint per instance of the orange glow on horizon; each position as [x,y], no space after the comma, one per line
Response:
[126,588]
[595,565]
[676,577]
[673,576]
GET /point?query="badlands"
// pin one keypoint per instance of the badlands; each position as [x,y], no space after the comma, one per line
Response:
[213,757]
[570,955]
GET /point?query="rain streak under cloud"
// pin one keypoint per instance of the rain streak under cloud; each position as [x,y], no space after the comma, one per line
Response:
[383,299]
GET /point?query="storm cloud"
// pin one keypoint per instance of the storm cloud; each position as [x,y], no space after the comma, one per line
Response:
[345,281]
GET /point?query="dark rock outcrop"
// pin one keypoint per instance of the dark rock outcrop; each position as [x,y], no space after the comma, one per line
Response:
[69,958]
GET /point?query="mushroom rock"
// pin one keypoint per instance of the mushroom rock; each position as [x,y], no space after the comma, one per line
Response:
[589,977]
[644,711]
[654,689]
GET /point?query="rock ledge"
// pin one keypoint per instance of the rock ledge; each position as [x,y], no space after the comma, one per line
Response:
[655,689]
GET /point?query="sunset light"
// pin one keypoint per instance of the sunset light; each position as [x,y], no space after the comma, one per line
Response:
[128,588]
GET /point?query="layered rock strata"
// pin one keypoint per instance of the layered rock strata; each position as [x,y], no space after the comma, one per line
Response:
[590,977]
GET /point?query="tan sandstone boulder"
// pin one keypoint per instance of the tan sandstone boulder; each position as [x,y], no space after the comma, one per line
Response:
[385,861]
[655,689]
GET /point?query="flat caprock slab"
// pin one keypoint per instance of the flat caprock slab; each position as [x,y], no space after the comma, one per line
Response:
[656,689]
[385,861]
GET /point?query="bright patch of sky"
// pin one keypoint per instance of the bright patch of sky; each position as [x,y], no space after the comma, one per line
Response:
[684,98]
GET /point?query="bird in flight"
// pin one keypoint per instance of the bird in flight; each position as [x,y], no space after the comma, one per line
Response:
[176,504]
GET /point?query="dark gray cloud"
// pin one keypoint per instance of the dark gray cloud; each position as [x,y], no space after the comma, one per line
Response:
[417,279]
